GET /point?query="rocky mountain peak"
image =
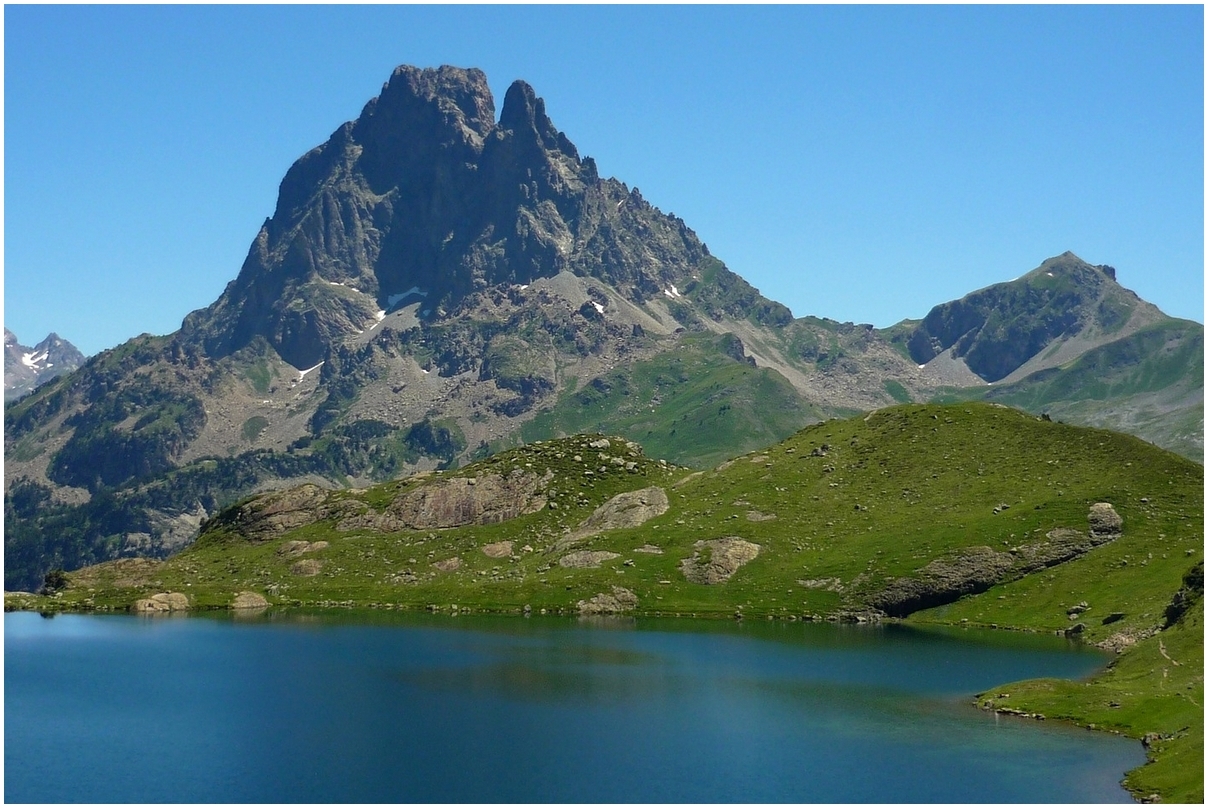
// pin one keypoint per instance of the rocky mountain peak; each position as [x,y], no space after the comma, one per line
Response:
[424,200]
[999,332]
[25,368]
[524,115]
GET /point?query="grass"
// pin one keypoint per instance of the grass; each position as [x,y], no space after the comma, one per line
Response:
[694,406]
[837,509]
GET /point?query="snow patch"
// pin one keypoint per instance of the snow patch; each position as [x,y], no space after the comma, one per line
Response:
[31,359]
[414,290]
[672,292]
[599,308]
[922,366]
[1050,274]
[302,373]
[380,315]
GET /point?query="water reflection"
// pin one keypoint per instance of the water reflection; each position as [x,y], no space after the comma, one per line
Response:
[381,707]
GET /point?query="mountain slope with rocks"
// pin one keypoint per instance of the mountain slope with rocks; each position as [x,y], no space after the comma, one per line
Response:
[26,368]
[436,285]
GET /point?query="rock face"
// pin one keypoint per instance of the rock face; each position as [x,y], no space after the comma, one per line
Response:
[426,199]
[26,368]
[486,500]
[976,569]
[630,509]
[714,561]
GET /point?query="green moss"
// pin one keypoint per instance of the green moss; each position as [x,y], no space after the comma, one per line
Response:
[253,426]
[897,392]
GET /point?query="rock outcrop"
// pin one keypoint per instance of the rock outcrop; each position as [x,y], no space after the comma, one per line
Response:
[714,561]
[972,570]
[161,603]
[976,569]
[270,515]
[629,509]
[249,600]
[620,600]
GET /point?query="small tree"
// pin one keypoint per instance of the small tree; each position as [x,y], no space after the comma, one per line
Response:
[54,581]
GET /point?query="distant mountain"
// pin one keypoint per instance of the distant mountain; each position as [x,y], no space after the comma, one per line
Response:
[1068,340]
[435,285]
[26,368]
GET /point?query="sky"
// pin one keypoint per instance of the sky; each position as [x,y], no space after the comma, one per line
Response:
[862,163]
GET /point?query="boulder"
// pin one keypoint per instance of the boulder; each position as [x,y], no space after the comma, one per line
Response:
[249,600]
[620,600]
[1104,521]
[162,602]
[307,567]
[714,561]
[630,509]
[500,549]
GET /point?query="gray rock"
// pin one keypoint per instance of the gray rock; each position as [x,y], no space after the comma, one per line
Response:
[585,559]
[620,600]
[714,561]
[249,600]
[162,602]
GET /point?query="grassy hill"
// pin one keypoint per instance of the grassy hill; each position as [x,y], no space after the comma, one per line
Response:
[965,514]
[695,406]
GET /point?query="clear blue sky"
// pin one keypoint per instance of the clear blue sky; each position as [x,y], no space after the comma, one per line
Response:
[860,163]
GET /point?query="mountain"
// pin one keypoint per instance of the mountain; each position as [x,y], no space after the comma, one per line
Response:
[1068,340]
[26,368]
[436,285]
[962,514]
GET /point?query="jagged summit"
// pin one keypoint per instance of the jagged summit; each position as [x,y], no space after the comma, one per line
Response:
[426,196]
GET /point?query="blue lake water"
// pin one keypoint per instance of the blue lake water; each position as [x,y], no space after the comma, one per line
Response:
[423,708]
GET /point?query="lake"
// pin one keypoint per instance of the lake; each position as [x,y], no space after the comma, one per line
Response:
[388,707]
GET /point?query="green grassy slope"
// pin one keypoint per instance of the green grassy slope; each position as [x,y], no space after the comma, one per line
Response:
[1148,384]
[841,512]
[696,405]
